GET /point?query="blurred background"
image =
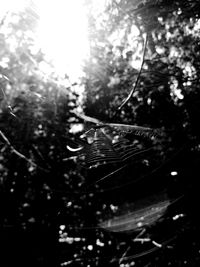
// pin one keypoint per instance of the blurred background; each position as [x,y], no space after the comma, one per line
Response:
[60,58]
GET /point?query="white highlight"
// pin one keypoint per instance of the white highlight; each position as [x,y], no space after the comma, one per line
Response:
[74,149]
[90,247]
[63,35]
[174,173]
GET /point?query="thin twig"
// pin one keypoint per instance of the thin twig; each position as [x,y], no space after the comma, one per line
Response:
[87,118]
[124,254]
[125,127]
[3,19]
[138,77]
[5,97]
[126,258]
[20,155]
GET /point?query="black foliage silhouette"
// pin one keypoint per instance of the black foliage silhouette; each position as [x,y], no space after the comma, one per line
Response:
[121,145]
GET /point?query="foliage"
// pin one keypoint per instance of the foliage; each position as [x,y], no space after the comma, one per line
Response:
[167,93]
[62,211]
[35,121]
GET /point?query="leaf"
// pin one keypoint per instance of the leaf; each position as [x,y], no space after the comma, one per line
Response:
[124,129]
[135,219]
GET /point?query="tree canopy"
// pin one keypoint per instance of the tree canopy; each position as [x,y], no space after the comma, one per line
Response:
[106,175]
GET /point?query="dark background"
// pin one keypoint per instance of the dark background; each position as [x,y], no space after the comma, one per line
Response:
[48,207]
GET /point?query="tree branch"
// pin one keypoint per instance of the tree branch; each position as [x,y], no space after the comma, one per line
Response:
[87,118]
[137,79]
[20,155]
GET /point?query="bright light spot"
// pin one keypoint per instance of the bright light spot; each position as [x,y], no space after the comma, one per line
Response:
[62,34]
[126,265]
[188,69]
[77,239]
[179,94]
[176,93]
[11,5]
[99,243]
[179,12]
[176,217]
[69,204]
[76,128]
[135,31]
[197,26]
[98,7]
[139,224]
[160,50]
[174,52]
[113,208]
[137,60]
[90,247]
[4,62]
[62,227]
[174,173]
[69,240]
[149,101]
[62,31]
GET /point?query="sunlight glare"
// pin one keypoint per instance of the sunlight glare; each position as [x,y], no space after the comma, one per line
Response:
[11,5]
[62,34]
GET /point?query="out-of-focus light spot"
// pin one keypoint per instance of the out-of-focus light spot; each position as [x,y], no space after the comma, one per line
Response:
[31,220]
[179,12]
[69,204]
[139,224]
[77,239]
[113,208]
[174,173]
[76,128]
[160,50]
[64,238]
[62,227]
[179,94]
[99,243]
[90,247]
[149,101]
[69,240]
[176,217]
[126,265]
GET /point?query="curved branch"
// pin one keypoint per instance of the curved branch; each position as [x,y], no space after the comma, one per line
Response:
[20,155]
[138,77]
